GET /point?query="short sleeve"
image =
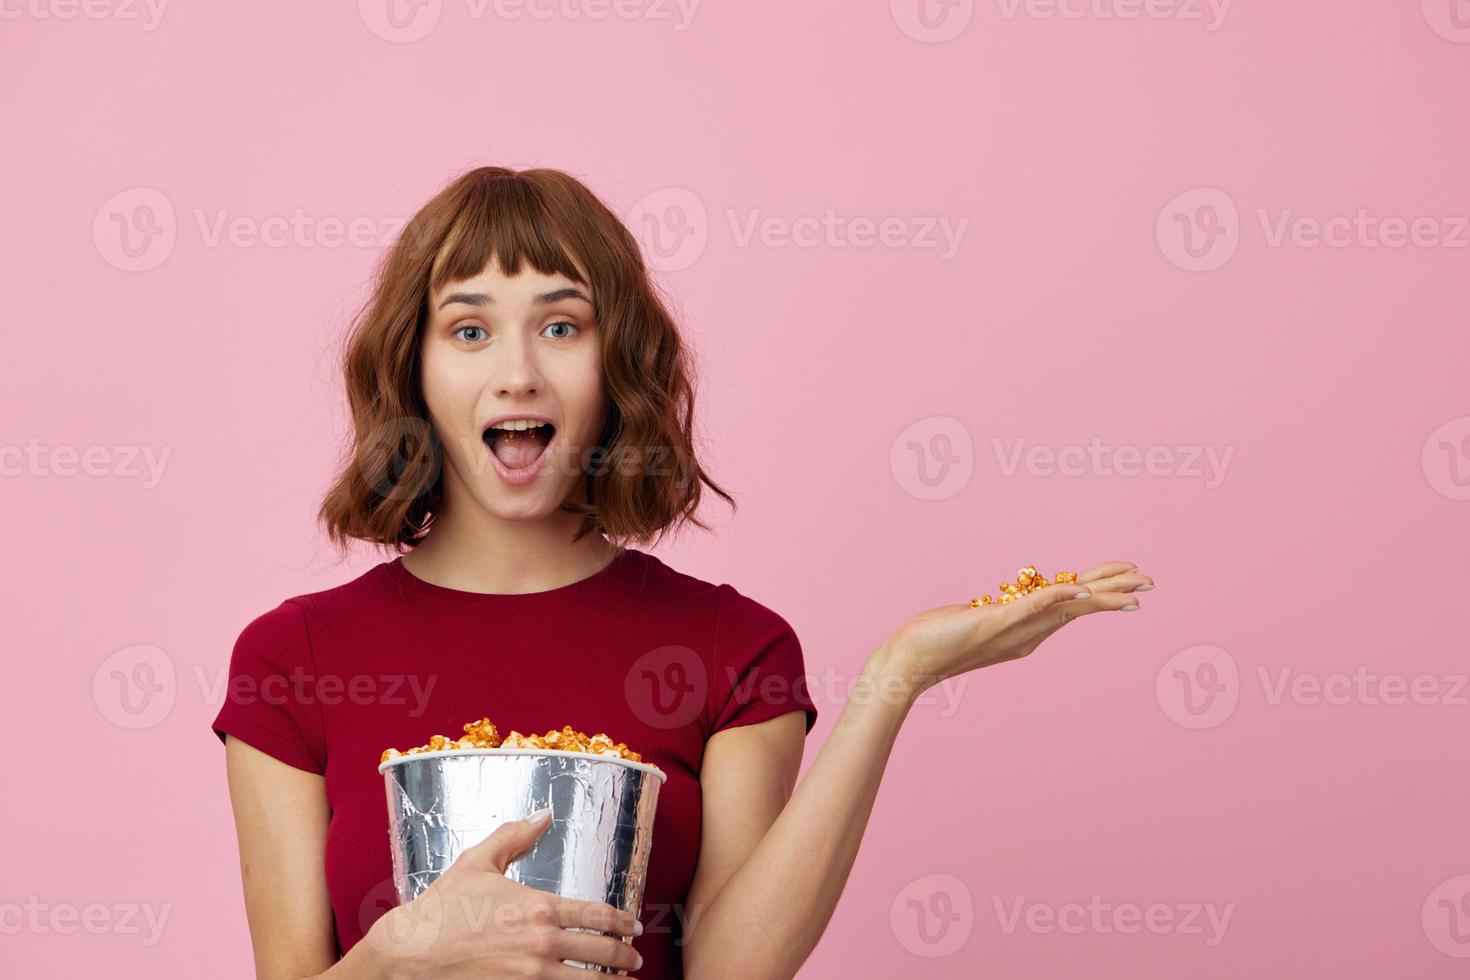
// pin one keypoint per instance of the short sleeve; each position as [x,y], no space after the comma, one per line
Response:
[268,700]
[759,672]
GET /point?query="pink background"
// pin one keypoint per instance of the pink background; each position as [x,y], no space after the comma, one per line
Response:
[1331,546]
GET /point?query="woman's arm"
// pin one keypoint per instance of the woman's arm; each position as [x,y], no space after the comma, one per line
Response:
[789,876]
[281,822]
[785,891]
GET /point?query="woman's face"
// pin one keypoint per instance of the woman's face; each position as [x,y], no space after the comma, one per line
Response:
[500,348]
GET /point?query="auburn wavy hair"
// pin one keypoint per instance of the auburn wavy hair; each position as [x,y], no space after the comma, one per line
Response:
[641,480]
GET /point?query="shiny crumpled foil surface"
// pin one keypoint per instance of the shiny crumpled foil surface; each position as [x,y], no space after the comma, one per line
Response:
[596,849]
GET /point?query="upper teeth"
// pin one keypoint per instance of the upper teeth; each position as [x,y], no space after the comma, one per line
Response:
[519,425]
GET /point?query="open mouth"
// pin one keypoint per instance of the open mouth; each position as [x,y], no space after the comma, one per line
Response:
[520,442]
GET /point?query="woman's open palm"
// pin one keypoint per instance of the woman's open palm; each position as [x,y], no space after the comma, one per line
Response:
[946,641]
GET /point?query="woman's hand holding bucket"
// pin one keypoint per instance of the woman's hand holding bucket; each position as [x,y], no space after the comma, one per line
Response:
[474,922]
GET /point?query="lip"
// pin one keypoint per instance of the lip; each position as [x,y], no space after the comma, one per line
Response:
[524,475]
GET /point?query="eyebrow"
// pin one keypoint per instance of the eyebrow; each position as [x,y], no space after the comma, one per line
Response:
[485,299]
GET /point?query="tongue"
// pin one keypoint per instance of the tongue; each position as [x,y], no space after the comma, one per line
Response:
[519,449]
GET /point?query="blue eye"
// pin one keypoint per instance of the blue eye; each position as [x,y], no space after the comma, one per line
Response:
[470,340]
[562,323]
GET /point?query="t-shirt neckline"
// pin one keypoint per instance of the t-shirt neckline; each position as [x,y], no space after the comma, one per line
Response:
[600,579]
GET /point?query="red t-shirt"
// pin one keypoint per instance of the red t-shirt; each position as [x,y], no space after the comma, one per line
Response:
[651,656]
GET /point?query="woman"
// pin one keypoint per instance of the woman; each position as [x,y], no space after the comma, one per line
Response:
[523,412]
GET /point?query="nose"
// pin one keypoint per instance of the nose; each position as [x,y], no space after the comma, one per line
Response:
[514,373]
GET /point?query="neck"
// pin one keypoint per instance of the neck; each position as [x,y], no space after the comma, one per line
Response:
[485,553]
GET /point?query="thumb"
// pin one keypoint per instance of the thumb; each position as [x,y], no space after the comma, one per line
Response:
[509,841]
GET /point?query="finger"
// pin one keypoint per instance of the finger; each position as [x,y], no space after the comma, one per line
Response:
[1065,612]
[1049,596]
[1105,570]
[1134,581]
[573,913]
[561,971]
[1058,614]
[510,840]
[602,950]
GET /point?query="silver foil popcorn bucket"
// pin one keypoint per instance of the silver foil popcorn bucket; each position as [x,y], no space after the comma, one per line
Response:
[596,848]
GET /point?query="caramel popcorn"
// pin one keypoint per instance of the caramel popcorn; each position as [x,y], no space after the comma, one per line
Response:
[1027,580]
[483,735]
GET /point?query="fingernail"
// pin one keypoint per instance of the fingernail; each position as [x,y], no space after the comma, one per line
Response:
[1083,595]
[1128,608]
[539,815]
[637,928]
[1143,588]
[638,964]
